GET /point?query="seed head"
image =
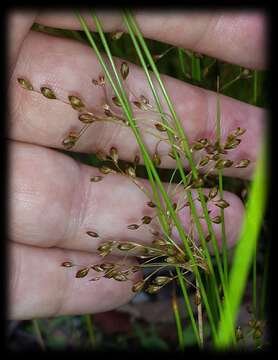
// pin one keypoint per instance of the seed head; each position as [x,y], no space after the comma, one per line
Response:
[116,101]
[124,70]
[70,140]
[76,102]
[116,35]
[105,170]
[67,264]
[161,280]
[87,118]
[48,93]
[232,144]
[96,178]
[126,246]
[25,84]
[130,171]
[239,131]
[151,204]
[222,203]
[197,298]
[204,161]
[152,289]
[160,127]
[216,219]
[92,234]
[243,163]
[107,246]
[146,219]
[213,192]
[223,163]
[138,286]
[114,154]
[133,227]
[156,159]
[82,272]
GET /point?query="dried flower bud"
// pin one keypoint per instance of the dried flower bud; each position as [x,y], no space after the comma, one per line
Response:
[198,146]
[159,242]
[196,183]
[96,178]
[120,277]
[48,93]
[133,227]
[67,264]
[216,219]
[126,246]
[87,118]
[156,159]
[161,280]
[146,219]
[151,204]
[243,163]
[124,70]
[160,127]
[75,102]
[213,192]
[138,286]
[114,154]
[97,268]
[25,84]
[116,101]
[82,272]
[171,260]
[92,234]
[222,203]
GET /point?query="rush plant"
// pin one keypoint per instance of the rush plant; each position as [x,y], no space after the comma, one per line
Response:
[218,284]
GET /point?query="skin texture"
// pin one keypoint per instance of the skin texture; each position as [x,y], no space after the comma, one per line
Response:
[53,203]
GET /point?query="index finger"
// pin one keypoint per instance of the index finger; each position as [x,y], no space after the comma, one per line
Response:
[235,37]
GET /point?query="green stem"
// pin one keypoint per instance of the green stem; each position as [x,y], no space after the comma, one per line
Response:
[91,332]
[38,333]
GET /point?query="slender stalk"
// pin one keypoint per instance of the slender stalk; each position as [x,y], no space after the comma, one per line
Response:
[38,333]
[177,319]
[182,63]
[91,332]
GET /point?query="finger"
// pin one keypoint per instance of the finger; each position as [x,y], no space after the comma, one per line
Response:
[40,287]
[53,203]
[238,37]
[42,121]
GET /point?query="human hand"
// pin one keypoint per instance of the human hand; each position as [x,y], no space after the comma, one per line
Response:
[53,203]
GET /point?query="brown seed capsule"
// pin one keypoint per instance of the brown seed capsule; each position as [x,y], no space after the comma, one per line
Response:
[223,163]
[138,286]
[243,163]
[97,268]
[87,118]
[151,204]
[82,272]
[67,264]
[107,266]
[159,242]
[161,280]
[216,219]
[124,70]
[126,246]
[116,35]
[107,246]
[48,93]
[197,298]
[223,204]
[75,102]
[146,219]
[70,140]
[156,159]
[96,178]
[92,234]
[130,171]
[120,277]
[160,127]
[232,144]
[116,101]
[198,146]
[204,161]
[152,289]
[171,260]
[105,170]
[144,100]
[25,84]
[239,131]
[239,333]
[213,192]
[133,227]
[114,154]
